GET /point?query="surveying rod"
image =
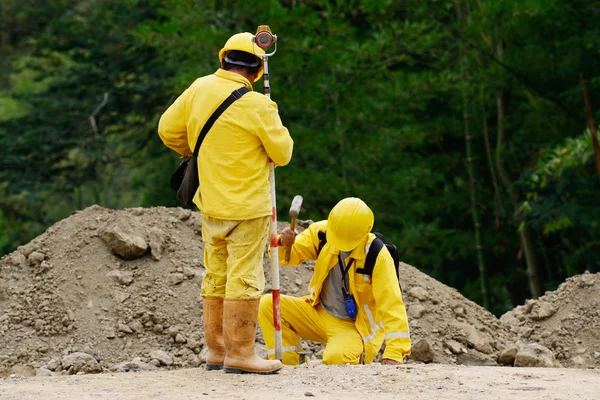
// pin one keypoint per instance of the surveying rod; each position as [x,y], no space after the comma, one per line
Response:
[265,39]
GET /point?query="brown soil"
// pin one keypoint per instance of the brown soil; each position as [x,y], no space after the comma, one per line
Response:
[376,381]
[567,321]
[67,292]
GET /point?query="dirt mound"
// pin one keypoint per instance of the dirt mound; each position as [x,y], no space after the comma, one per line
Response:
[566,321]
[104,287]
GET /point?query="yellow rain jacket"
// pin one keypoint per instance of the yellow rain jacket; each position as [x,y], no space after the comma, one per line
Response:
[233,163]
[381,312]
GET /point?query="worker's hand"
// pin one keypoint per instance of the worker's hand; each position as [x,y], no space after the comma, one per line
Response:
[388,361]
[288,237]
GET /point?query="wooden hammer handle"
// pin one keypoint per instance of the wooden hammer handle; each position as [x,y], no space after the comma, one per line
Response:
[288,250]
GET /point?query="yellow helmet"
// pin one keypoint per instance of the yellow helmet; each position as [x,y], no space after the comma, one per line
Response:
[349,223]
[242,42]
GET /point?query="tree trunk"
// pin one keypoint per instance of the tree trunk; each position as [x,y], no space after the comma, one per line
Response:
[470,171]
[526,235]
[498,204]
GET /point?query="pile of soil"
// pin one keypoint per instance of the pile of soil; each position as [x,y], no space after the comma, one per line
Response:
[120,290]
[566,321]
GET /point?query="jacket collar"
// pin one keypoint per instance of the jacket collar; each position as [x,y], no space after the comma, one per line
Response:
[232,76]
[359,252]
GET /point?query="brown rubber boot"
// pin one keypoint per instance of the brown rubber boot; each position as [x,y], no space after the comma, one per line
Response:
[213,332]
[239,323]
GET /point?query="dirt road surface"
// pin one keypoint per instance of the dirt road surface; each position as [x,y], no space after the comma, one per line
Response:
[376,381]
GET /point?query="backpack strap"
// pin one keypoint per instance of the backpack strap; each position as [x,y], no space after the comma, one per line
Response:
[236,94]
[374,249]
[322,241]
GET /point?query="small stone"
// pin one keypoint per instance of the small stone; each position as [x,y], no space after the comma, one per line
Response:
[81,362]
[136,326]
[156,243]
[122,236]
[53,364]
[578,361]
[416,311]
[175,279]
[546,310]
[418,293]
[45,266]
[460,311]
[189,273]
[124,328]
[154,362]
[161,356]
[527,333]
[507,356]
[454,346]
[587,280]
[534,355]
[179,338]
[44,372]
[135,365]
[596,355]
[36,258]
[422,351]
[121,277]
[309,394]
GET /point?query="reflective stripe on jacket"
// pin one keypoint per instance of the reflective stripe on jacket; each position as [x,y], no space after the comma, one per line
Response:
[233,163]
[381,311]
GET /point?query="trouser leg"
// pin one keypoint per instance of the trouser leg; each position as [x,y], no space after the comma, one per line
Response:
[344,343]
[299,319]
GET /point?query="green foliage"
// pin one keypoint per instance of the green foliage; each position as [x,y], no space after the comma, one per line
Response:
[563,205]
[374,94]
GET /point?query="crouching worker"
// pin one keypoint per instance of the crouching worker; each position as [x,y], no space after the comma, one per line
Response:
[348,308]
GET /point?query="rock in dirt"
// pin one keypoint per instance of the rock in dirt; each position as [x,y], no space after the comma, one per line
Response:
[53,364]
[132,366]
[545,310]
[563,321]
[44,372]
[81,362]
[121,277]
[156,243]
[534,355]
[162,357]
[508,355]
[124,237]
[153,302]
[422,351]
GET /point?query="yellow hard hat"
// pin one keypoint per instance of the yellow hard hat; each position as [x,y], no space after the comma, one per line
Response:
[242,42]
[349,223]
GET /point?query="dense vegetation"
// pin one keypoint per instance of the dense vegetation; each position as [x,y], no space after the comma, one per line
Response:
[461,122]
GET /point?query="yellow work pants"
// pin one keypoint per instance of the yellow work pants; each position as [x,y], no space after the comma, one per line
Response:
[299,319]
[233,257]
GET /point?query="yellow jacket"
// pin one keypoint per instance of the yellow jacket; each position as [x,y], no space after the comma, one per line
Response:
[381,312]
[233,164]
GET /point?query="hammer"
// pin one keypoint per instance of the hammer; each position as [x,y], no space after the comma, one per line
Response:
[294,211]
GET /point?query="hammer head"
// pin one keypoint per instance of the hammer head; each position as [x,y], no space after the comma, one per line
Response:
[296,205]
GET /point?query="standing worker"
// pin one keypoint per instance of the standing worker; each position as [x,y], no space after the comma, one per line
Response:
[351,309]
[234,197]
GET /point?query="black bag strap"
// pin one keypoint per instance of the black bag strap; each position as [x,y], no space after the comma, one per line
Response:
[374,249]
[236,94]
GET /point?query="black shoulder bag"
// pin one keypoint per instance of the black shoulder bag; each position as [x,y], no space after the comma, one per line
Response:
[185,180]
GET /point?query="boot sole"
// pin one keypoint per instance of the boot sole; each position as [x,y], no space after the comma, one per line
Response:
[214,367]
[229,370]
